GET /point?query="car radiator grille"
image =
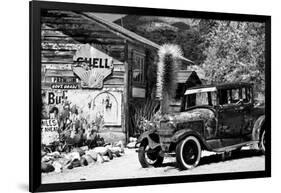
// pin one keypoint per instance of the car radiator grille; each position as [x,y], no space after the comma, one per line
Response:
[165,133]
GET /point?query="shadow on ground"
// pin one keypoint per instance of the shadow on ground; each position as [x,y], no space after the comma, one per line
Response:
[234,156]
[215,158]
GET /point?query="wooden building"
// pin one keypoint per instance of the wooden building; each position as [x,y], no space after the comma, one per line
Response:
[185,80]
[96,65]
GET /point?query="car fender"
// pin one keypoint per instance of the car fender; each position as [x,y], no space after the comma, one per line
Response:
[257,128]
[152,138]
[183,133]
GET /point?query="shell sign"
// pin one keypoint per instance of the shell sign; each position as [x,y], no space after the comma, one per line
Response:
[92,66]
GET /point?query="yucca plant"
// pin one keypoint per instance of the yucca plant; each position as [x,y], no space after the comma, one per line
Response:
[166,74]
[148,112]
[142,115]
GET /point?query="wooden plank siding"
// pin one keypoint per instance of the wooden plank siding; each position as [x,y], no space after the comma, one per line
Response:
[59,49]
[62,34]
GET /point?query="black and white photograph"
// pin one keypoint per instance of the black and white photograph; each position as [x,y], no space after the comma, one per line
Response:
[133,96]
[140,96]
[124,96]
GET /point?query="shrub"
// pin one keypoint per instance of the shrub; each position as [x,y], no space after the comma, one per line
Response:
[141,115]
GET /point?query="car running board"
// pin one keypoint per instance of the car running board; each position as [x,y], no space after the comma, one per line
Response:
[233,147]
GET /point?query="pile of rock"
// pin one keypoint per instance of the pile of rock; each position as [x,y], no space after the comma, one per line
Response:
[132,143]
[82,156]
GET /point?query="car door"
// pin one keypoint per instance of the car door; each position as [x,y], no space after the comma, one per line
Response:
[230,117]
[247,98]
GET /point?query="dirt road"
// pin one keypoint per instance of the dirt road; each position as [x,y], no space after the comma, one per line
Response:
[128,166]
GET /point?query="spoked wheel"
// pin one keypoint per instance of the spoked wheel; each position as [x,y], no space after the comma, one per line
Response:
[262,141]
[149,157]
[188,153]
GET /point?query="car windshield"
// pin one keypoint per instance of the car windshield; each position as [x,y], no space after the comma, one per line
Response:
[200,98]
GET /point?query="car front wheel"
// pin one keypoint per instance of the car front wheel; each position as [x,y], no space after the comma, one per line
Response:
[188,153]
[149,157]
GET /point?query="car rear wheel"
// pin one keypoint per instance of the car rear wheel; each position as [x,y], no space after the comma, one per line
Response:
[188,153]
[262,141]
[236,151]
[149,157]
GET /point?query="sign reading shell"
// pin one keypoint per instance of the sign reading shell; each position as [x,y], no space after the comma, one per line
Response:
[92,66]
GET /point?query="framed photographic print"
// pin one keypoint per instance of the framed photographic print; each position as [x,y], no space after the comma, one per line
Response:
[125,96]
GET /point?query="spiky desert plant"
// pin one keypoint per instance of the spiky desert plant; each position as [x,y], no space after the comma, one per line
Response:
[169,55]
[142,114]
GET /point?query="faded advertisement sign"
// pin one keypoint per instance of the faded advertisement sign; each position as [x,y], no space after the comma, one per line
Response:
[49,129]
[87,105]
[106,104]
[92,66]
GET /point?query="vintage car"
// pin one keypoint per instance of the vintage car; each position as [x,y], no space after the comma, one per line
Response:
[219,118]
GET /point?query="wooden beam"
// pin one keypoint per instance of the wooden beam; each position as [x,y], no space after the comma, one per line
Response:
[48,29]
[125,103]
[56,62]
[59,46]
[71,39]
[58,13]
[60,20]
[54,33]
[61,60]
[105,26]
[72,26]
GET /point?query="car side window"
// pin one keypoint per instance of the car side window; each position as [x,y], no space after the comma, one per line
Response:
[212,98]
[229,96]
[223,97]
[246,94]
[234,96]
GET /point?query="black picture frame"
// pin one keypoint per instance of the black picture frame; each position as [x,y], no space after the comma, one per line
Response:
[35,184]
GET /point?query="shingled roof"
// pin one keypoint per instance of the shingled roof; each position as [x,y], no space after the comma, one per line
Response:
[124,32]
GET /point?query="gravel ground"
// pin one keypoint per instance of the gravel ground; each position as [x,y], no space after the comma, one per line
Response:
[128,166]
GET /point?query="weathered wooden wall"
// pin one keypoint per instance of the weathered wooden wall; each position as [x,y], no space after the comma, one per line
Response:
[59,50]
[62,33]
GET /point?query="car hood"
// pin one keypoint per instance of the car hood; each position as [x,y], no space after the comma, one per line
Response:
[194,114]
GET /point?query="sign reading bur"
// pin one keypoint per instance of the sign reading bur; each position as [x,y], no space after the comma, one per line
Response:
[92,66]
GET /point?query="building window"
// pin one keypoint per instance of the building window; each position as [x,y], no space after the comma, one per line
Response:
[138,68]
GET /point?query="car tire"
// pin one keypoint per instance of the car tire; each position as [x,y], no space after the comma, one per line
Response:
[236,151]
[153,159]
[188,153]
[262,142]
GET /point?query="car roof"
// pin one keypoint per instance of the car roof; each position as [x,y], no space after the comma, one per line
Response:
[223,85]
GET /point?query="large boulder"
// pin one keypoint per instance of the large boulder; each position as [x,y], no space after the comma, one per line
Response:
[89,158]
[79,150]
[131,145]
[104,151]
[58,166]
[83,161]
[91,153]
[73,156]
[74,163]
[116,151]
[47,167]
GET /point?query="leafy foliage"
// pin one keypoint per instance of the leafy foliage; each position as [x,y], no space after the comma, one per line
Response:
[162,30]
[235,52]
[226,50]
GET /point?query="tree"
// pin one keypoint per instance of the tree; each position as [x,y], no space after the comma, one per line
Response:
[178,31]
[235,52]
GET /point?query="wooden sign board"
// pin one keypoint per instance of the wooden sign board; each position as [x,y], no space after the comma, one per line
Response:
[92,66]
